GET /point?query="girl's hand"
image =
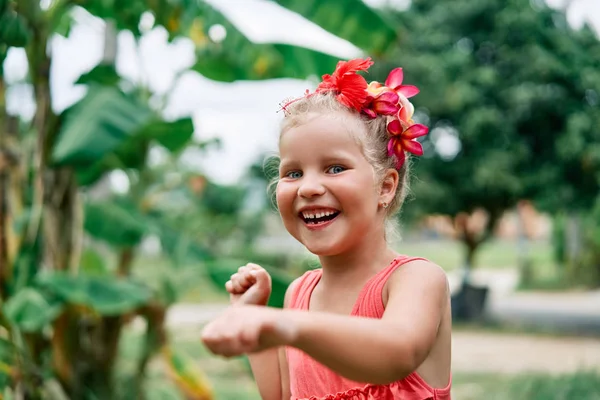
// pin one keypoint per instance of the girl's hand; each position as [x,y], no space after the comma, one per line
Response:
[251,285]
[248,329]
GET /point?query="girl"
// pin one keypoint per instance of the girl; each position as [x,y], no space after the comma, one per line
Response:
[371,323]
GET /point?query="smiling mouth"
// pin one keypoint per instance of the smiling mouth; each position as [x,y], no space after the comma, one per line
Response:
[318,218]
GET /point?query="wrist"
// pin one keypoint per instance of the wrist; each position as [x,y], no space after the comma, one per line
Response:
[296,323]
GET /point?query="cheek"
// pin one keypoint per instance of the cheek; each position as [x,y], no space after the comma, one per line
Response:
[285,195]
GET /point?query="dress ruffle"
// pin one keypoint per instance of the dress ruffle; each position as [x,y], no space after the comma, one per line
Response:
[392,391]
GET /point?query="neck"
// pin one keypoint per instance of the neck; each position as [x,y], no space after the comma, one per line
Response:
[359,264]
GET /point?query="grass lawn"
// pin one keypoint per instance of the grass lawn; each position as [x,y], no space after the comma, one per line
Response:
[577,386]
[449,254]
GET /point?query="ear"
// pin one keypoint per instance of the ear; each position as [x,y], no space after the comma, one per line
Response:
[389,184]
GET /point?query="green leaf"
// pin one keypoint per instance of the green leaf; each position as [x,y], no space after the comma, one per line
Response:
[92,263]
[30,311]
[125,14]
[107,295]
[237,58]
[115,222]
[351,20]
[174,135]
[103,74]
[63,22]
[97,125]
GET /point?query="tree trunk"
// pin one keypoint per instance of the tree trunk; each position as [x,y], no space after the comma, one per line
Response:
[469,303]
[4,166]
[573,236]
[54,202]
[469,262]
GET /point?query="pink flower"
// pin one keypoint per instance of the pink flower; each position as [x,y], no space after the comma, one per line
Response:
[385,103]
[402,140]
[394,82]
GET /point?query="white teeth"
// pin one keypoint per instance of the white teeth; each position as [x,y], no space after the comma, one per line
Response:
[320,214]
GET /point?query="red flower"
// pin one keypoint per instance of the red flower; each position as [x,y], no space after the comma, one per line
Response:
[349,87]
[403,140]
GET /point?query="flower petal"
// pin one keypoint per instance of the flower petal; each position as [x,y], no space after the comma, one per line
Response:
[384,107]
[390,146]
[408,90]
[407,110]
[395,78]
[351,66]
[412,146]
[415,131]
[370,113]
[375,88]
[400,158]
[394,127]
[391,97]
[352,91]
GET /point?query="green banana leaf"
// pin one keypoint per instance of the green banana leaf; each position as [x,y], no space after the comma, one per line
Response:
[107,295]
[351,20]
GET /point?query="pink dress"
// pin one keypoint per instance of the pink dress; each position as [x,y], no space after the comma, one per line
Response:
[310,380]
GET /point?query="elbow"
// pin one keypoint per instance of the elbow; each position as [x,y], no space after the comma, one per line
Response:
[403,361]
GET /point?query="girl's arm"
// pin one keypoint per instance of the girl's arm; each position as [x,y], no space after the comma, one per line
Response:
[270,368]
[267,374]
[369,350]
[380,351]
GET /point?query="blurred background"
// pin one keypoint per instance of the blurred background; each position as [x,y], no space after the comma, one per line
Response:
[136,143]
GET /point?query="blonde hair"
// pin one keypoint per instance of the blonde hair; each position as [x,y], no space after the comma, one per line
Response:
[371,135]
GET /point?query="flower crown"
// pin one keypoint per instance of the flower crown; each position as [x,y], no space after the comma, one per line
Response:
[373,99]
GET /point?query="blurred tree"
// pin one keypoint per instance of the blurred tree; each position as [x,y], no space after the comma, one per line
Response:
[510,92]
[63,305]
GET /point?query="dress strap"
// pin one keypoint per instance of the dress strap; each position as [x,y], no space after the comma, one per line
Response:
[370,300]
[302,289]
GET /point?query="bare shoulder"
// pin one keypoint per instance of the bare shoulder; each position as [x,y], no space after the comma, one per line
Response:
[419,280]
[420,272]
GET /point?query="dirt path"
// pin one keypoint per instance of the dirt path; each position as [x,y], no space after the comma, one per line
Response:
[488,352]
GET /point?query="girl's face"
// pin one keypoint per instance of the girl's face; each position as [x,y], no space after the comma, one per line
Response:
[327,194]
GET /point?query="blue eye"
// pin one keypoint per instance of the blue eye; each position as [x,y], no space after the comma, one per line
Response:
[336,169]
[294,174]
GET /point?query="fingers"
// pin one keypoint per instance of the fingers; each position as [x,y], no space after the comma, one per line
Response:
[246,276]
[228,337]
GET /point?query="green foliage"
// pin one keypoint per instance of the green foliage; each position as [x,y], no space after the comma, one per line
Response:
[116,222]
[584,268]
[74,308]
[356,22]
[517,88]
[106,295]
[220,199]
[30,310]
[13,29]
[97,125]
[237,58]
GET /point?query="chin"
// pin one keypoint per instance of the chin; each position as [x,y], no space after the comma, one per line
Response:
[322,248]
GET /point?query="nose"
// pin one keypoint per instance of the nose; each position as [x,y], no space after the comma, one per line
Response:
[310,186]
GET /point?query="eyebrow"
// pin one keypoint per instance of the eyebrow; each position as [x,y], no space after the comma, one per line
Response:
[340,157]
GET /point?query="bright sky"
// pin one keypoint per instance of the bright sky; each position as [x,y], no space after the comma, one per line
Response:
[242,114]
